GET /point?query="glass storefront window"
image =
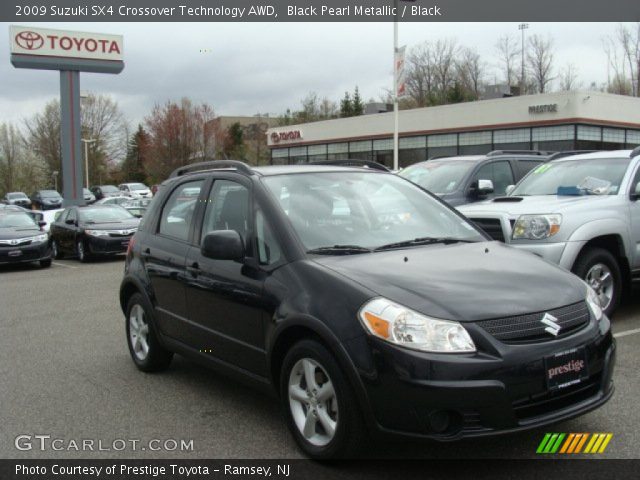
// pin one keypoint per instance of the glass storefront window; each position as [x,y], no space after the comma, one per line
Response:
[361,146]
[409,156]
[514,136]
[546,134]
[412,142]
[338,148]
[447,140]
[475,138]
[586,132]
[633,138]
[437,152]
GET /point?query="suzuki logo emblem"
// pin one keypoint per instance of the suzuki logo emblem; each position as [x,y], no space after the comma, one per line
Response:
[15,242]
[552,327]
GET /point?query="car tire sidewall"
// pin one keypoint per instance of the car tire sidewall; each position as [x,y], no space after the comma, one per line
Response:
[158,358]
[591,257]
[55,250]
[81,251]
[350,426]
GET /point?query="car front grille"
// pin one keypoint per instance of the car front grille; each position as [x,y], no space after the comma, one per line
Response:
[491,226]
[529,328]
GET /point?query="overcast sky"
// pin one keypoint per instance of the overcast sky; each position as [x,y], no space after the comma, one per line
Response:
[245,68]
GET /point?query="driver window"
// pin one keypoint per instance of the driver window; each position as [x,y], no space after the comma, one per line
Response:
[499,173]
[227,209]
[636,181]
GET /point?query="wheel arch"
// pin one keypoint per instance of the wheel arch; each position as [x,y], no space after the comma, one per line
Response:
[614,244]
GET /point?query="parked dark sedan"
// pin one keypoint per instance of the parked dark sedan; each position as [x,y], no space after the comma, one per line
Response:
[366,303]
[17,198]
[22,239]
[103,191]
[91,231]
[46,199]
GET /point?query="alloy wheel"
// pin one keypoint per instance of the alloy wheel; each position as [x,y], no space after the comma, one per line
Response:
[313,402]
[600,278]
[80,249]
[139,332]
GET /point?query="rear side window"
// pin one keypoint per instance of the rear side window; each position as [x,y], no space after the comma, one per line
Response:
[527,165]
[177,213]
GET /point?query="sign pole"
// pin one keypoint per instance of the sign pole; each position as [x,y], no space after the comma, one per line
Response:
[395,90]
[72,168]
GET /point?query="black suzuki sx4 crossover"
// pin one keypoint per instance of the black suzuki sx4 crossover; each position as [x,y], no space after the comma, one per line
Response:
[365,303]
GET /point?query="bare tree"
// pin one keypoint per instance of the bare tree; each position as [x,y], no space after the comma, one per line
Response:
[508,50]
[540,61]
[471,70]
[10,146]
[444,63]
[629,40]
[569,78]
[420,75]
[43,135]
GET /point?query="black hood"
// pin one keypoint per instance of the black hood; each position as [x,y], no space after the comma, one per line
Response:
[463,282]
[19,232]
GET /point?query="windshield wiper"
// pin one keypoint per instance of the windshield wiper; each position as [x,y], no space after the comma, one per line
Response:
[340,250]
[422,241]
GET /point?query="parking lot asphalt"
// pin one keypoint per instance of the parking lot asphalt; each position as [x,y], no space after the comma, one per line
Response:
[65,371]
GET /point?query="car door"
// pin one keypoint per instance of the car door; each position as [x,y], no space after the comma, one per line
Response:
[164,254]
[224,297]
[68,231]
[634,210]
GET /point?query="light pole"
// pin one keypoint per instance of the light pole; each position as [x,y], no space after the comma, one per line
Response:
[86,142]
[395,88]
[522,27]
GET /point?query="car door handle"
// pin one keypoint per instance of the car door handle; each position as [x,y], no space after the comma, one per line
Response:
[146,253]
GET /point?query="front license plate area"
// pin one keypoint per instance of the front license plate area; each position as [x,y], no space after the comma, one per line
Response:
[566,368]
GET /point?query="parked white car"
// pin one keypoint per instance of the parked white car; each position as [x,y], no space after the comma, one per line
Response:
[135,190]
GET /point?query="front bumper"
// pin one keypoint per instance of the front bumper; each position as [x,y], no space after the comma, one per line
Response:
[502,388]
[563,254]
[25,253]
[107,245]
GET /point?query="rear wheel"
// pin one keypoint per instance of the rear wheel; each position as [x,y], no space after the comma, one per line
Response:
[45,263]
[601,271]
[145,349]
[319,404]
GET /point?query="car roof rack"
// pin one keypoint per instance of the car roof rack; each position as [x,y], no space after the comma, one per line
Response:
[495,153]
[353,163]
[635,152]
[568,153]
[213,165]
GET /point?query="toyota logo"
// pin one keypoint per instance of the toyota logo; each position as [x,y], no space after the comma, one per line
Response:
[29,40]
[275,137]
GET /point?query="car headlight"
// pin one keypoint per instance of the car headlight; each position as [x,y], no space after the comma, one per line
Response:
[536,227]
[40,238]
[402,326]
[593,302]
[97,233]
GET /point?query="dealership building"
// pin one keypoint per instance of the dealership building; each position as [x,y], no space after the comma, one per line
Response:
[581,120]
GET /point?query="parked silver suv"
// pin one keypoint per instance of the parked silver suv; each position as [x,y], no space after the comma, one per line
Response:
[581,212]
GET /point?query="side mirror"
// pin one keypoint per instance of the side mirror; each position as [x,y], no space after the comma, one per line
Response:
[70,221]
[41,223]
[223,245]
[485,187]
[509,189]
[635,195]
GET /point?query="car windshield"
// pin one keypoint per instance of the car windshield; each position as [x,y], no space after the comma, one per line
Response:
[49,194]
[137,186]
[363,210]
[17,219]
[600,176]
[438,176]
[14,196]
[109,189]
[104,215]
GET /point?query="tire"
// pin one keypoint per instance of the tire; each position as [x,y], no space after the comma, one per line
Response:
[599,268]
[45,263]
[81,253]
[339,410]
[55,250]
[139,324]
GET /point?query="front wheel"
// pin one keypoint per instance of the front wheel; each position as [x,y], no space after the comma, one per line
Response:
[45,263]
[601,271]
[55,250]
[81,252]
[319,404]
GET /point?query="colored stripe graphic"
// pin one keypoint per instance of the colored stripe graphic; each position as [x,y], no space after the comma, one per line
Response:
[574,443]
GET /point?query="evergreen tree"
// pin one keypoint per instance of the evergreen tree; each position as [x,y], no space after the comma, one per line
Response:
[357,106]
[346,106]
[134,163]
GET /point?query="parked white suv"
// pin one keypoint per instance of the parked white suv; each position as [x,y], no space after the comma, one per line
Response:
[135,190]
[581,212]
